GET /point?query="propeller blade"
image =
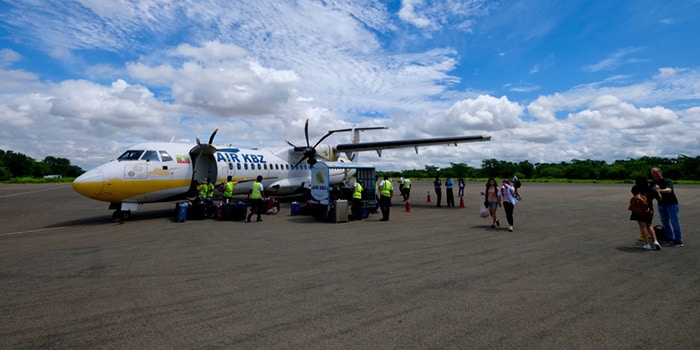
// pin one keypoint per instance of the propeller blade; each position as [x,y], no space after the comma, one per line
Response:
[197,137]
[324,137]
[211,138]
[299,162]
[306,132]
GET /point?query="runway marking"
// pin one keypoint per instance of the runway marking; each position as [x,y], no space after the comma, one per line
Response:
[30,192]
[32,231]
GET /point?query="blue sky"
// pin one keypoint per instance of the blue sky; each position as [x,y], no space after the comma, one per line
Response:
[550,81]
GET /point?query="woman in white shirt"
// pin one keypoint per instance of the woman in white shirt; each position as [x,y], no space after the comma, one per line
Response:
[508,198]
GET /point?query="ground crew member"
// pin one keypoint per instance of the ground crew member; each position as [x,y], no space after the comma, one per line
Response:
[206,193]
[227,191]
[256,195]
[386,191]
[406,189]
[357,201]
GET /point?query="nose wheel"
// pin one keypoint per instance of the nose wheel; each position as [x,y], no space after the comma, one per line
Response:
[121,215]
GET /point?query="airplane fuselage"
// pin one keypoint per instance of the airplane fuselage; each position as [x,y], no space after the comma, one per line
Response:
[153,172]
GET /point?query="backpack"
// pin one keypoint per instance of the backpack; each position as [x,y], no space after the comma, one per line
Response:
[639,204]
[517,183]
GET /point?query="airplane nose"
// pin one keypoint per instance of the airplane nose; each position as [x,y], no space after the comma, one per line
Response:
[89,184]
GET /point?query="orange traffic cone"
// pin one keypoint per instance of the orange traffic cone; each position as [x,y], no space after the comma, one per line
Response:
[428,196]
[408,206]
[461,202]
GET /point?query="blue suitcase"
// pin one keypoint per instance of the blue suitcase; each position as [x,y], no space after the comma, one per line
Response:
[296,208]
[182,212]
[226,211]
[239,211]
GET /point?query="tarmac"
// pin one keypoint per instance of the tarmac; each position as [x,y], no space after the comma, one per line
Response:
[571,276]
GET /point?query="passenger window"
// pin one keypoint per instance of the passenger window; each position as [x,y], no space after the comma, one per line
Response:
[164,156]
[150,156]
[238,165]
[130,155]
[246,166]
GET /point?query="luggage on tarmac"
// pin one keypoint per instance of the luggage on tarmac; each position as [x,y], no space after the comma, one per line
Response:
[217,211]
[198,211]
[239,211]
[181,212]
[272,206]
[296,208]
[226,210]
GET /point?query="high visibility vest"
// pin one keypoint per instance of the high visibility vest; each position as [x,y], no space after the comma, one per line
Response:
[228,189]
[386,190]
[203,190]
[256,191]
[210,190]
[406,183]
[358,191]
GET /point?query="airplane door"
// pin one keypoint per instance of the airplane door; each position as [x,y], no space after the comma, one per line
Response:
[204,162]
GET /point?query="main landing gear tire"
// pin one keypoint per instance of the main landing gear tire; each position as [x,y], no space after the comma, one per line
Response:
[121,215]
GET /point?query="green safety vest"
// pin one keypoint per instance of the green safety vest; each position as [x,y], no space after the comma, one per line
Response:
[228,190]
[206,190]
[256,191]
[406,183]
[358,191]
[386,190]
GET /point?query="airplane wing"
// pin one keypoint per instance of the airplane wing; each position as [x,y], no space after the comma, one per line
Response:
[415,143]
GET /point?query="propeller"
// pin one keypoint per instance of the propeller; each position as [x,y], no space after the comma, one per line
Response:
[199,157]
[308,151]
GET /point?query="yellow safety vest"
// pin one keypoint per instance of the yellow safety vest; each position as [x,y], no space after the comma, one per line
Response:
[256,191]
[386,190]
[228,190]
[406,183]
[358,191]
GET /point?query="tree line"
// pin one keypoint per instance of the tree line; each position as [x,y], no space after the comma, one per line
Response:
[17,165]
[681,168]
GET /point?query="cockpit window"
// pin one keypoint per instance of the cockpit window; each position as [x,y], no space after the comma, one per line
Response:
[164,156]
[150,156]
[130,155]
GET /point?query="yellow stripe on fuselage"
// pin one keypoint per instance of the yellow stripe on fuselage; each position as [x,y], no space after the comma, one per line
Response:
[118,190]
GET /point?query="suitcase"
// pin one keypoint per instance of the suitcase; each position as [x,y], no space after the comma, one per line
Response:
[217,211]
[182,212]
[239,211]
[198,211]
[271,203]
[226,210]
[296,208]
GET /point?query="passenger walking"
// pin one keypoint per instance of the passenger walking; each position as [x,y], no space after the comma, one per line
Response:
[668,207]
[492,201]
[449,183]
[438,190]
[509,200]
[461,185]
[644,219]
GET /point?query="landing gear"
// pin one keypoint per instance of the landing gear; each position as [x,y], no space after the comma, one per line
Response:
[121,215]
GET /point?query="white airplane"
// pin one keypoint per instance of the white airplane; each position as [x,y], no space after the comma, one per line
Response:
[167,171]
